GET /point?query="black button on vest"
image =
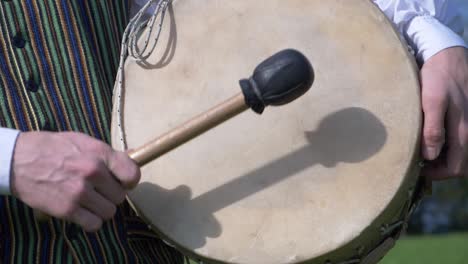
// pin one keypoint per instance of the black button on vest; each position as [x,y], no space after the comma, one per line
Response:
[32,86]
[19,41]
[73,232]
[46,127]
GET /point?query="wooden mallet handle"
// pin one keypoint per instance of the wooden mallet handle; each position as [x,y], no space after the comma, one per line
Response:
[278,80]
[189,130]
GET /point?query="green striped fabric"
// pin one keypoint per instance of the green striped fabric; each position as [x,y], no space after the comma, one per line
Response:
[58,61]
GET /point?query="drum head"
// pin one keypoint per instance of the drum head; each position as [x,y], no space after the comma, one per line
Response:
[314,180]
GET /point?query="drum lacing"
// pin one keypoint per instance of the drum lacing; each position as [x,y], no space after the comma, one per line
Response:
[130,47]
[389,228]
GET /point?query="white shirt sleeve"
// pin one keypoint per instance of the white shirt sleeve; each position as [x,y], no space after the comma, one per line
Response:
[7,145]
[429,26]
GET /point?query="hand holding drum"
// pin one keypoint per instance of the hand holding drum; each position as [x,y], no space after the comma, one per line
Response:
[278,80]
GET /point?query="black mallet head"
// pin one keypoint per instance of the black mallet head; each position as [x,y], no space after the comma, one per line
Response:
[278,80]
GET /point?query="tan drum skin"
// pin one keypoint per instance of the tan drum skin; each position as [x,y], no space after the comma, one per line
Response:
[324,179]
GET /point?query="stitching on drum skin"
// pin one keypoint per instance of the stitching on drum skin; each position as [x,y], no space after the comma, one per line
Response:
[129,47]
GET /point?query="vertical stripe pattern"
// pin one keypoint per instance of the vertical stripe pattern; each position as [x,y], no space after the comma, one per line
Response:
[58,61]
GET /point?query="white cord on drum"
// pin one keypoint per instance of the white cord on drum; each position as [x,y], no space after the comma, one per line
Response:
[129,47]
[141,21]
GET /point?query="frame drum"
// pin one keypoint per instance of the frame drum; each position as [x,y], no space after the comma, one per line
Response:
[329,178]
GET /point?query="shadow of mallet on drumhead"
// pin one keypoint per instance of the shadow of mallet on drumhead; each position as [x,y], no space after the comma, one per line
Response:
[351,135]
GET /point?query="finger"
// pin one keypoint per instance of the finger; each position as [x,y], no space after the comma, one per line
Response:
[454,164]
[434,107]
[436,170]
[457,139]
[87,220]
[124,169]
[107,185]
[98,204]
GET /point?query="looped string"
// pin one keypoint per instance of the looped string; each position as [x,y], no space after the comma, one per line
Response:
[141,21]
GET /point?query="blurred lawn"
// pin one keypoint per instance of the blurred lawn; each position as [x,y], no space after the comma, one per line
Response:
[442,249]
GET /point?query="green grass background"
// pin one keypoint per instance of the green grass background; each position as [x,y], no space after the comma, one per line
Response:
[440,249]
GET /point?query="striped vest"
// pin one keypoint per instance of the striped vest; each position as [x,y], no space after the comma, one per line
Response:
[58,61]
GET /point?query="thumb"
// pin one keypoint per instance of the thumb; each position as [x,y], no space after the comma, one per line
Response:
[124,169]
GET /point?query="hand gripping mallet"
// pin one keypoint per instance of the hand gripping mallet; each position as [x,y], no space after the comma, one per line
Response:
[278,80]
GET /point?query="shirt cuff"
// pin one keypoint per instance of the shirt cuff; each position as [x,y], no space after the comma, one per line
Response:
[7,145]
[428,36]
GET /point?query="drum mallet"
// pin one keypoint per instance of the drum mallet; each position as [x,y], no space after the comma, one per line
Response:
[278,80]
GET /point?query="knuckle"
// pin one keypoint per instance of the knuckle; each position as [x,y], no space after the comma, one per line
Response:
[100,148]
[93,225]
[431,97]
[457,172]
[120,198]
[126,169]
[67,211]
[70,165]
[434,135]
[78,191]
[135,173]
[431,92]
[90,169]
[110,212]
